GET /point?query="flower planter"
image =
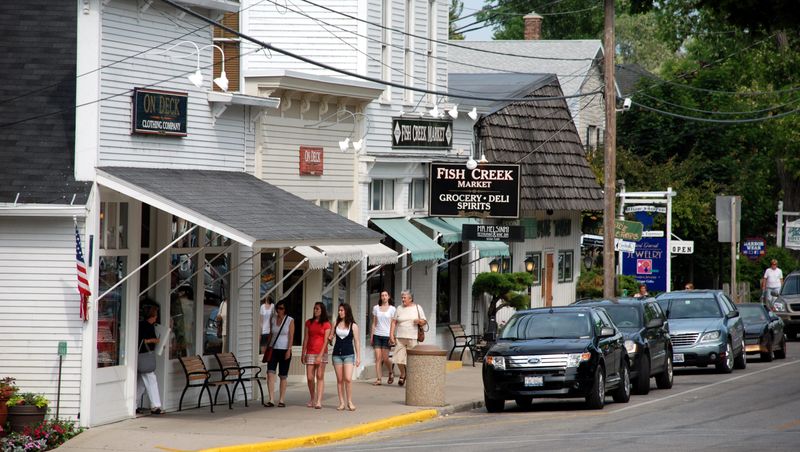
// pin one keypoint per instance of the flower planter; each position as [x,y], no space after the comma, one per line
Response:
[21,416]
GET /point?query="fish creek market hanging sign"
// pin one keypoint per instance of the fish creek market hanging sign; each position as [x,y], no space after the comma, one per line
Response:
[488,191]
[159,112]
[422,133]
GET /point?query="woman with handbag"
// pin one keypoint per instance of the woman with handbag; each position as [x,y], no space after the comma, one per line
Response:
[279,353]
[315,353]
[146,365]
[407,330]
[346,354]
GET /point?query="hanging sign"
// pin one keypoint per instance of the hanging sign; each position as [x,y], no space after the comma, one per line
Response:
[631,209]
[754,247]
[159,112]
[648,264]
[311,161]
[488,191]
[422,133]
[792,240]
[493,232]
[681,247]
[628,230]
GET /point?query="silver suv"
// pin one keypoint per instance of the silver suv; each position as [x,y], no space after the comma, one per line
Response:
[787,304]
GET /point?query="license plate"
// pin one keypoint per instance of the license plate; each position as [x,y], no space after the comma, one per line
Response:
[677,357]
[534,381]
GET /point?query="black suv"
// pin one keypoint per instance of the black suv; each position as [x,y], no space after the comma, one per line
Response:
[557,352]
[647,340]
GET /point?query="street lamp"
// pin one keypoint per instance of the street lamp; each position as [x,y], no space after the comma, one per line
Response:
[494,266]
[530,265]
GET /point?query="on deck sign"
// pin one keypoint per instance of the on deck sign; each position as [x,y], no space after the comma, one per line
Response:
[158,112]
[488,191]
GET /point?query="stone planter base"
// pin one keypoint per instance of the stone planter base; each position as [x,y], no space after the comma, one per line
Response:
[21,416]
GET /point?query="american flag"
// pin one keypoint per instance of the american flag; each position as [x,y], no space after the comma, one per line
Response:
[83,279]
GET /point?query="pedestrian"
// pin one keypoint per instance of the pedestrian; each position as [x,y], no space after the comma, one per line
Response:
[346,354]
[222,317]
[147,361]
[382,314]
[642,293]
[315,353]
[403,334]
[689,286]
[266,310]
[280,339]
[772,280]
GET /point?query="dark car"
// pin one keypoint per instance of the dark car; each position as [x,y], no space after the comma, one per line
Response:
[647,339]
[557,352]
[763,331]
[787,304]
[705,328]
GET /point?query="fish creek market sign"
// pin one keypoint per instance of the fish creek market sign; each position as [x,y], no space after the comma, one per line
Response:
[422,133]
[488,191]
[159,112]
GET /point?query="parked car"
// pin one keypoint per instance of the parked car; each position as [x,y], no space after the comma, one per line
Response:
[557,352]
[647,339]
[763,331]
[705,328]
[787,304]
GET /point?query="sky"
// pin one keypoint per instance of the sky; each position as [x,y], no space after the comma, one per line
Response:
[484,34]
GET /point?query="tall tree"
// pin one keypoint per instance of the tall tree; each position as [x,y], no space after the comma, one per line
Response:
[456,8]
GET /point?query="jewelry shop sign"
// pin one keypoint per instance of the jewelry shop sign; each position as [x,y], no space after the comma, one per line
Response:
[488,191]
[422,133]
[157,112]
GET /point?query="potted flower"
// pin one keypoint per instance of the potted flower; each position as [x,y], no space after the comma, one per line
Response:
[7,389]
[26,408]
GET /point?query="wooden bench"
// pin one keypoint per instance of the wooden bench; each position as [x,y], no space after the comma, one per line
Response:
[464,341]
[197,376]
[232,371]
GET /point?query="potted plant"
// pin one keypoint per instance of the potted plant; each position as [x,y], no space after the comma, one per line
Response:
[26,408]
[7,389]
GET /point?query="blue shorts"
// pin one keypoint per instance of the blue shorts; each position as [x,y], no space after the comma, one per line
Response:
[380,342]
[343,359]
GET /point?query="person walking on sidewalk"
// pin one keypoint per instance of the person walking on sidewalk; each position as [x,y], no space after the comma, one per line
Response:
[772,280]
[403,334]
[266,310]
[346,354]
[282,329]
[315,353]
[382,314]
[147,365]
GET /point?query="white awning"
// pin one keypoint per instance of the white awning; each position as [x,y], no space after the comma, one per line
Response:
[342,253]
[316,260]
[379,254]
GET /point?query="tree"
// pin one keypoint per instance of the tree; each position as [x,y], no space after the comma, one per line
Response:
[456,7]
[506,290]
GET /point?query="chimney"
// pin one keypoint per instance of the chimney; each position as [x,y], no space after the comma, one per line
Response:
[533,27]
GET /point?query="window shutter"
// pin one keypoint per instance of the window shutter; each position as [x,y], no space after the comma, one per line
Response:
[229,43]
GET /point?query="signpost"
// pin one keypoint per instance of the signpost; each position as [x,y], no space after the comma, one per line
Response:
[488,191]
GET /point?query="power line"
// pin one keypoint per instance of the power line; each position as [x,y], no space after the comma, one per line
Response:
[717,121]
[662,81]
[712,112]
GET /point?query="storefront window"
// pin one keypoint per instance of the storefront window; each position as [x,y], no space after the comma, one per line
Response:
[214,239]
[111,312]
[327,279]
[182,305]
[216,281]
[179,226]
[268,264]
[341,286]
[113,225]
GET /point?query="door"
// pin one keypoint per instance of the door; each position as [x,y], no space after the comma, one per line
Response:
[656,337]
[547,284]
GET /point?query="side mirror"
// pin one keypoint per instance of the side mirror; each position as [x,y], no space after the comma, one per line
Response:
[607,332]
[655,323]
[733,314]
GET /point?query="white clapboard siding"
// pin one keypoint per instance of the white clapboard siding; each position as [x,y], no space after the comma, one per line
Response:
[246,331]
[39,307]
[126,33]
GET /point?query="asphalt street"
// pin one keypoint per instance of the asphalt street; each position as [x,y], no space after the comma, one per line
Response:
[755,409]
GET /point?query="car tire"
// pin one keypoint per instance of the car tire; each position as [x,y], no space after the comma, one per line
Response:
[781,354]
[623,393]
[525,403]
[597,395]
[740,362]
[767,357]
[726,366]
[642,383]
[664,379]
[494,405]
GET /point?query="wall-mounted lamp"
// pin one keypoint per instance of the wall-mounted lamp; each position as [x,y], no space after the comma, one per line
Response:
[197,76]
[434,112]
[505,262]
[344,145]
[530,265]
[473,114]
[453,112]
[494,266]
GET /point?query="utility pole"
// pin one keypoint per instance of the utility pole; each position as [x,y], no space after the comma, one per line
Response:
[610,160]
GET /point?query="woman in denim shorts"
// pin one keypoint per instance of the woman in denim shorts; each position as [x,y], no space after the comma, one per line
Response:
[382,315]
[346,354]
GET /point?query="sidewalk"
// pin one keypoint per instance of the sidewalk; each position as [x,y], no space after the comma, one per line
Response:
[255,427]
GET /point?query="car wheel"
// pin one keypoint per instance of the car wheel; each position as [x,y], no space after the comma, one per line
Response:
[524,402]
[642,384]
[623,393]
[493,405]
[597,395]
[664,379]
[767,357]
[741,361]
[781,354]
[726,366]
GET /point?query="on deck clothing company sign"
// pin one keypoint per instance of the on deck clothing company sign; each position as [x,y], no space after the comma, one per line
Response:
[489,191]
[159,112]
[422,133]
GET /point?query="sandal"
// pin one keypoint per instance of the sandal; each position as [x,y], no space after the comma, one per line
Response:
[351,407]
[269,404]
[391,379]
[281,405]
[377,383]
[157,411]
[340,408]
[402,381]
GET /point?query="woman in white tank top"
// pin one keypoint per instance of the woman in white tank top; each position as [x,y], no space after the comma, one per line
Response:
[382,314]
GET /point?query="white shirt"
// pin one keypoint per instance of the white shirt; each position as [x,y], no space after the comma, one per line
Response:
[383,320]
[282,342]
[773,278]
[266,314]
[406,329]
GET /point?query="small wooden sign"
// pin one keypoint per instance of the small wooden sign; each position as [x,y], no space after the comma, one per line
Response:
[311,158]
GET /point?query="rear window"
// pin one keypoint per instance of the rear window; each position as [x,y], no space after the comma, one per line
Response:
[791,286]
[624,316]
[691,308]
[548,326]
[753,313]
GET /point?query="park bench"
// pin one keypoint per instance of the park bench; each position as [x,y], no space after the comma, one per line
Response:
[472,342]
[232,371]
[197,376]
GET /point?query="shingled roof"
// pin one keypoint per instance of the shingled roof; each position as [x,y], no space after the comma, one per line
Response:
[37,103]
[542,138]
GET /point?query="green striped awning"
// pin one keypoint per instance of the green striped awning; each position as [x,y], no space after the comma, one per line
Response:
[421,246]
[485,249]
[450,233]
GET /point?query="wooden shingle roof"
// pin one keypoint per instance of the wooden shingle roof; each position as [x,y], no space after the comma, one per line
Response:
[542,138]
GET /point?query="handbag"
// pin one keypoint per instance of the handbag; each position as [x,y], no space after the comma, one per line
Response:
[268,352]
[146,362]
[219,328]
[420,328]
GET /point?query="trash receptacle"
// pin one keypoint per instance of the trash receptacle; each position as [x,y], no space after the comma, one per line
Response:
[425,376]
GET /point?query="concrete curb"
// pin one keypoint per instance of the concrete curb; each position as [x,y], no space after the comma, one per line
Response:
[350,432]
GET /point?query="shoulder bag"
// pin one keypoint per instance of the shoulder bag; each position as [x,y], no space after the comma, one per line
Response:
[268,352]
[420,328]
[146,362]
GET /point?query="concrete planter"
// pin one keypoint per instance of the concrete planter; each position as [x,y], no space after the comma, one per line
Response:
[21,416]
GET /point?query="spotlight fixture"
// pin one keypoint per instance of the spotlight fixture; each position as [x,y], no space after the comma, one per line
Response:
[483,159]
[357,145]
[197,77]
[471,163]
[473,114]
[434,112]
[453,112]
[344,144]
